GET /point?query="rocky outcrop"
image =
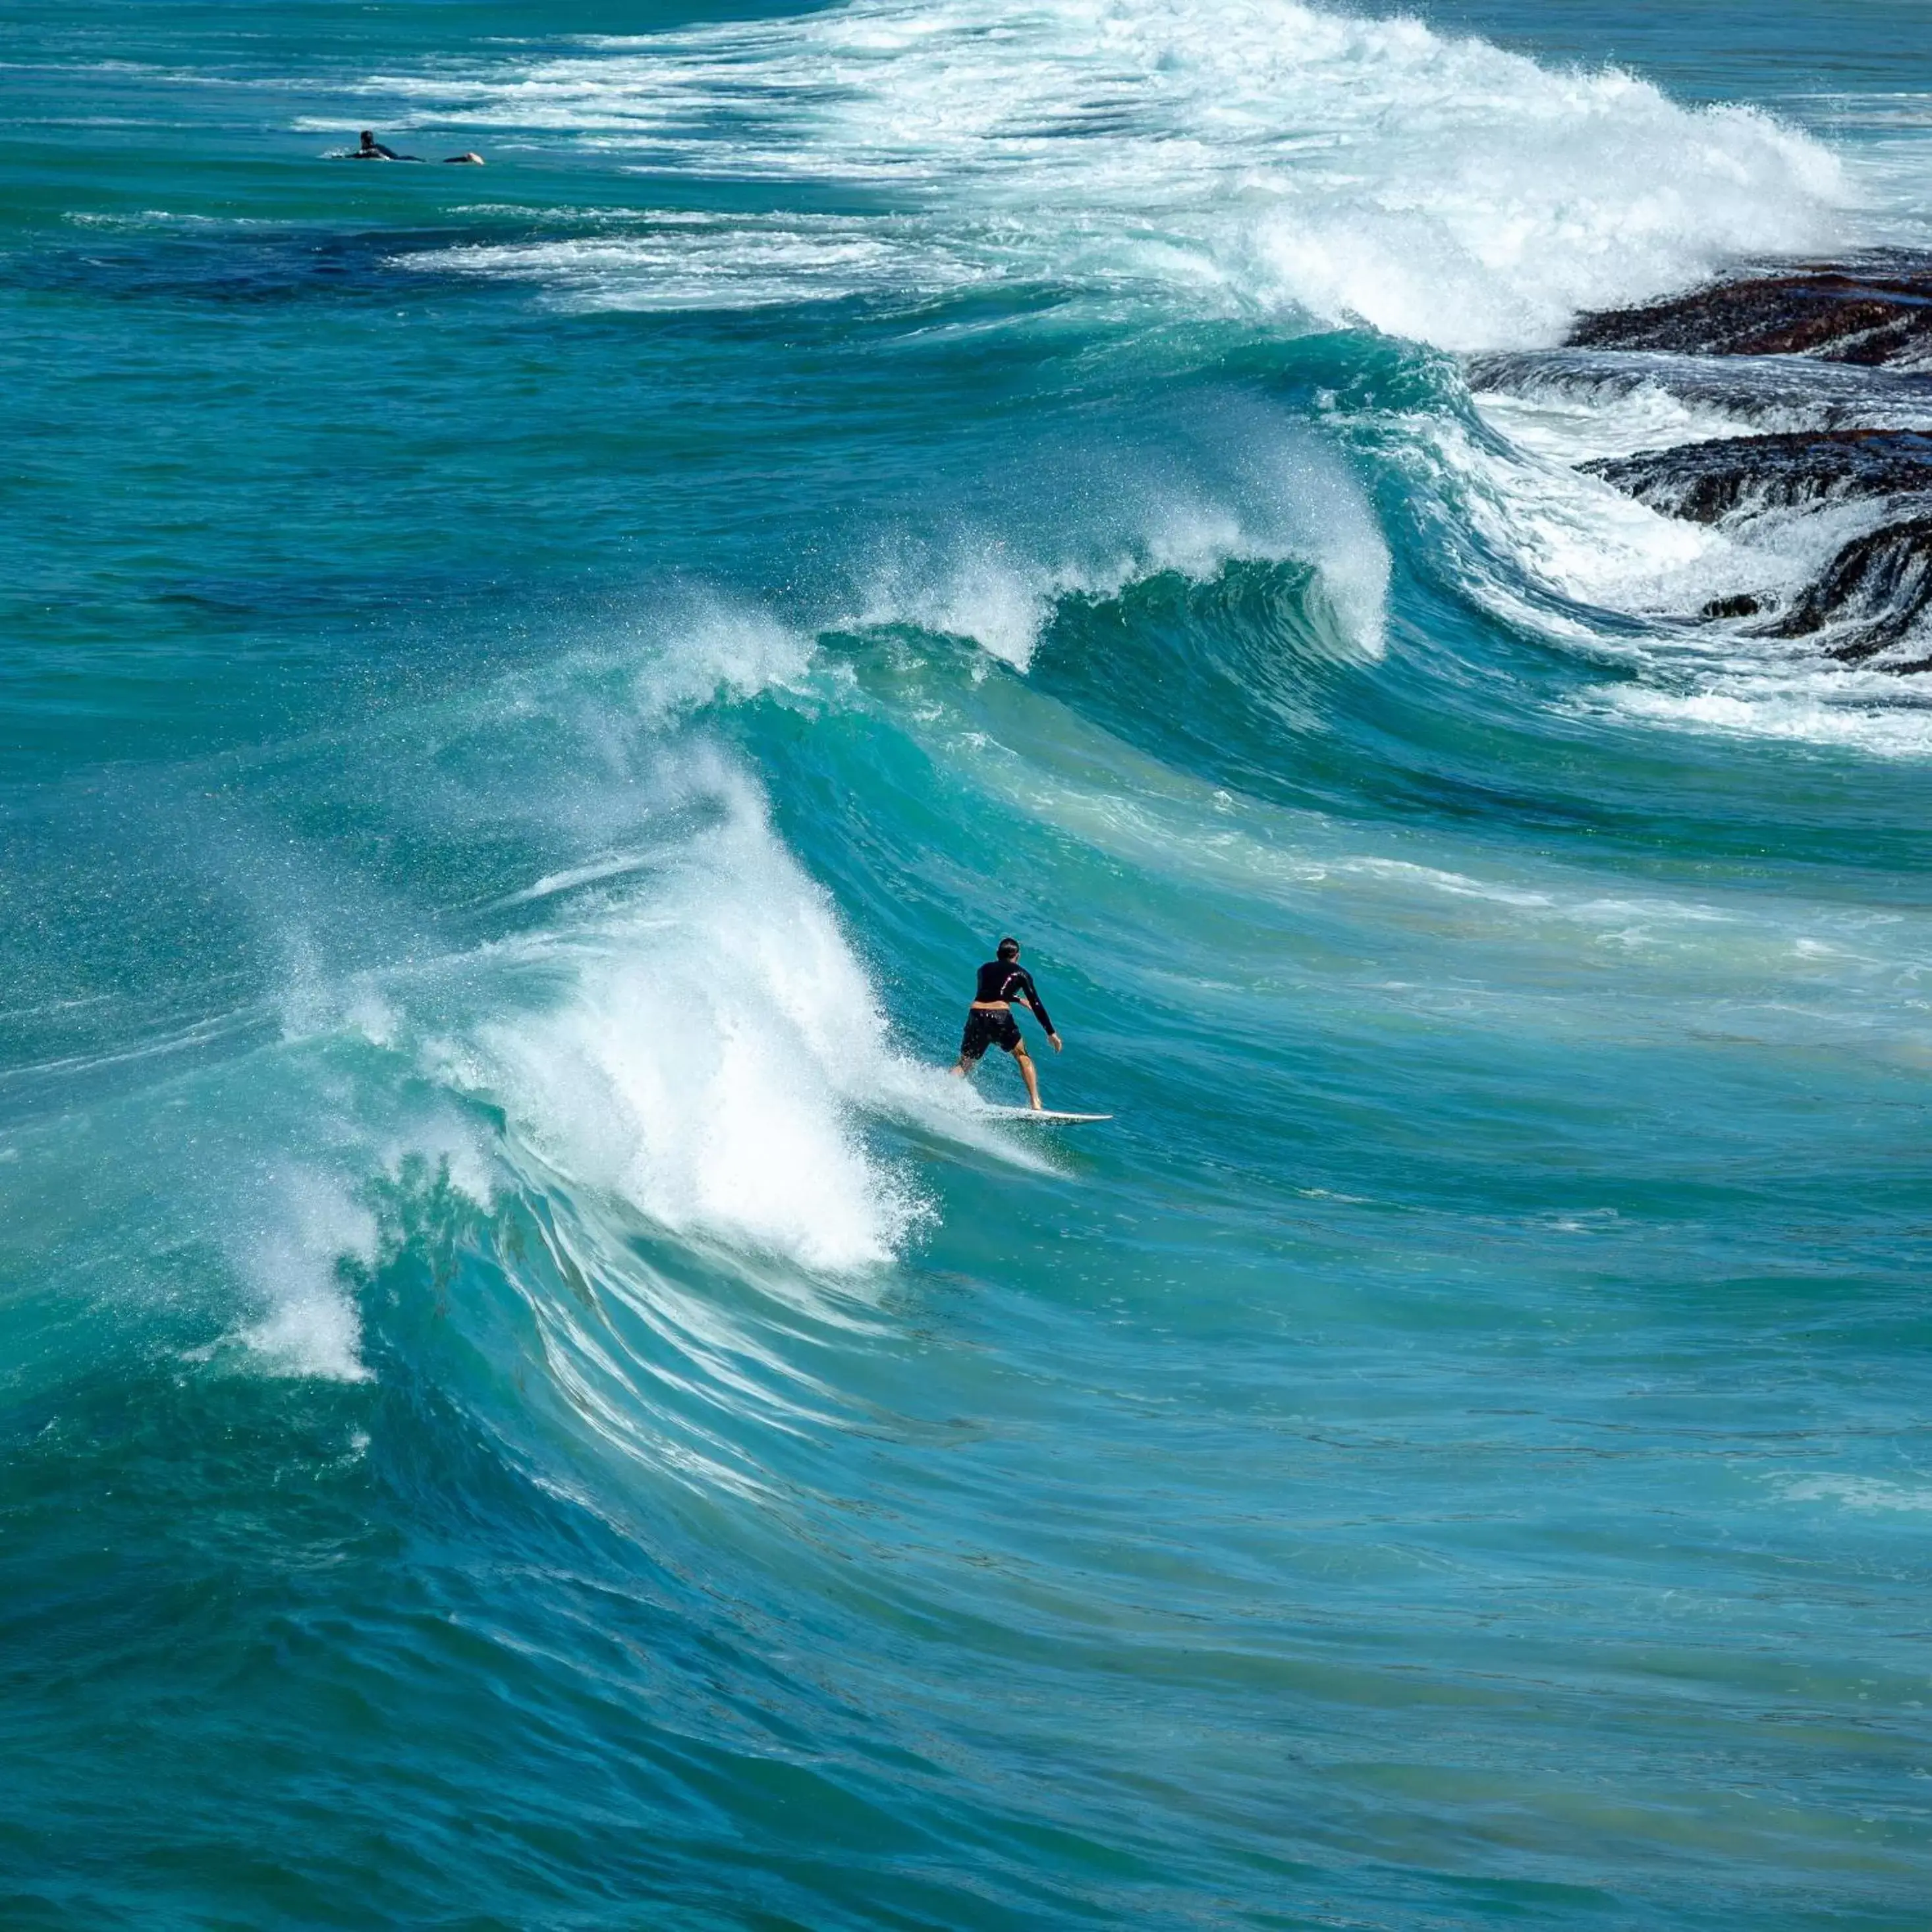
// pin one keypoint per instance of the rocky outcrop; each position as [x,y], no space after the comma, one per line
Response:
[1843,347]
[1877,588]
[1782,394]
[1704,482]
[1877,315]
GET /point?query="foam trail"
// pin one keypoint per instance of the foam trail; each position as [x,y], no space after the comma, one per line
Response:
[1857,711]
[692,262]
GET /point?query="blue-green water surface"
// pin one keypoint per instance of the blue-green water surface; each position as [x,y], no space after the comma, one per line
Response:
[530,1399]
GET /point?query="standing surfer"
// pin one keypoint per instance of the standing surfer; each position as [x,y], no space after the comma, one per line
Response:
[989,1020]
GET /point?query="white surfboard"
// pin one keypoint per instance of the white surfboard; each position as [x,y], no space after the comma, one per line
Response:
[1046,1116]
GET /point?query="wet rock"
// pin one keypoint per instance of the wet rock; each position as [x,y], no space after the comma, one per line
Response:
[1703,482]
[1880,585]
[1783,393]
[1742,605]
[1877,314]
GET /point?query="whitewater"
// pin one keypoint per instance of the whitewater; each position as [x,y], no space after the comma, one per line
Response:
[532,1398]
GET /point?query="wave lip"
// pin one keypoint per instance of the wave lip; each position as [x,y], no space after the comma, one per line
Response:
[1257,489]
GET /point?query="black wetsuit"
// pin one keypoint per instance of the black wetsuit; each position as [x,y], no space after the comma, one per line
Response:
[1001,979]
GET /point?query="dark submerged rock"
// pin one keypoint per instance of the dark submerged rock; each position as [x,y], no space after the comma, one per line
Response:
[1742,605]
[1874,315]
[1703,482]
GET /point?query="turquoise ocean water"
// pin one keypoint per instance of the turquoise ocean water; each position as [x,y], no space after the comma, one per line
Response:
[530,1400]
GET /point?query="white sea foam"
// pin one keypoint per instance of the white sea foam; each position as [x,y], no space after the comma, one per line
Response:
[1857,1493]
[1882,137]
[977,588]
[1227,157]
[1551,550]
[1570,408]
[1825,706]
[704,1049]
[1569,429]
[291,1258]
[1571,540]
[690,1030]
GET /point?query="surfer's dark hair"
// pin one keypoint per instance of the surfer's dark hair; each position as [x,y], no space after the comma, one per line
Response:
[1008,948]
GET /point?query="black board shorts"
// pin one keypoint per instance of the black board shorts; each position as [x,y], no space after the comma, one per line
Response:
[985,1029]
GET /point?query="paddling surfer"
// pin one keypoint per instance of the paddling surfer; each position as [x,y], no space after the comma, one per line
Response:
[372,150]
[990,1022]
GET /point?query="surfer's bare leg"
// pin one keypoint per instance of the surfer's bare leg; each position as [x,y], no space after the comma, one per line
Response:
[1026,1074]
[960,1070]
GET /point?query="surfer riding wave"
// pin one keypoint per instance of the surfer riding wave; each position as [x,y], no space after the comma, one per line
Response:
[990,1022]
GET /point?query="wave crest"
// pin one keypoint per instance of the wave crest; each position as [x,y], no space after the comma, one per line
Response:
[1226,158]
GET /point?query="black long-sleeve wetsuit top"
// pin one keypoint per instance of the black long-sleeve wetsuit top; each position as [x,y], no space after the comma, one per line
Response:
[1004,979]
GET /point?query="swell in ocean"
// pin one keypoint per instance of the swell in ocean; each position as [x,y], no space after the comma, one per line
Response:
[536,1399]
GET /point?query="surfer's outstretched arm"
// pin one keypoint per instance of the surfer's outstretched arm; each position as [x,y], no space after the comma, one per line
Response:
[1030,993]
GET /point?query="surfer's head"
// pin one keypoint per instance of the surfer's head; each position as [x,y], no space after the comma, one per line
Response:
[1008,949]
